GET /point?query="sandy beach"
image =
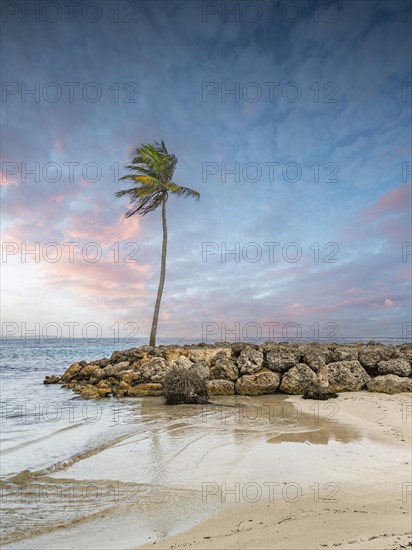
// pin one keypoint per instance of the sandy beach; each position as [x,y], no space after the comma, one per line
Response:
[371,513]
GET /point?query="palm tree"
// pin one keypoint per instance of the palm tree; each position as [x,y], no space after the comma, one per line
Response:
[152,170]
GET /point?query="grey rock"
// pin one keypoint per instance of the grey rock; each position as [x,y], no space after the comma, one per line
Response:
[250,361]
[346,376]
[390,383]
[297,379]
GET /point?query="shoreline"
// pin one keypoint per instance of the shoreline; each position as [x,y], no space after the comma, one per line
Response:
[372,514]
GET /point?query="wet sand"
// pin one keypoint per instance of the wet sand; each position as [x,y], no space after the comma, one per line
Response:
[268,472]
[371,510]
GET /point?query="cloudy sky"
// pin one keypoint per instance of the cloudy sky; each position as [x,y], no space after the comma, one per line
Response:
[293,121]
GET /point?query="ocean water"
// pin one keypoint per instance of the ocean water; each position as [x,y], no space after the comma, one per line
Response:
[116,473]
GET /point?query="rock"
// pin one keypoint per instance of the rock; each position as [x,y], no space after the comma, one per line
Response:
[316,357]
[142,390]
[131,377]
[121,389]
[154,370]
[183,362]
[115,370]
[260,383]
[103,362]
[87,371]
[208,354]
[238,347]
[201,368]
[92,392]
[72,371]
[224,369]
[98,374]
[172,353]
[106,384]
[297,379]
[405,352]
[390,383]
[250,361]
[220,387]
[370,356]
[400,367]
[52,379]
[345,353]
[283,358]
[346,376]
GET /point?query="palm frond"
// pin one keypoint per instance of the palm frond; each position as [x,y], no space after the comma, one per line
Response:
[181,191]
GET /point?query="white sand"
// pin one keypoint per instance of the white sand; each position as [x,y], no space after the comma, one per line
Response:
[371,512]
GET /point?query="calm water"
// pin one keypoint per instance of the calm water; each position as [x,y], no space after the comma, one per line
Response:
[74,471]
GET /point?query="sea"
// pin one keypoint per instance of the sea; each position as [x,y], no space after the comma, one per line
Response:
[111,473]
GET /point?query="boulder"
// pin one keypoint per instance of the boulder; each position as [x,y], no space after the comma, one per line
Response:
[87,371]
[154,370]
[131,377]
[405,352]
[115,370]
[52,379]
[72,371]
[224,369]
[172,353]
[220,387]
[142,390]
[260,383]
[183,362]
[283,358]
[316,358]
[121,389]
[390,383]
[238,347]
[97,376]
[297,379]
[370,356]
[103,362]
[92,392]
[400,367]
[344,353]
[250,361]
[346,376]
[208,354]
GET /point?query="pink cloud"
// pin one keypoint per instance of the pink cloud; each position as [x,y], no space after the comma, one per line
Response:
[6,180]
[390,203]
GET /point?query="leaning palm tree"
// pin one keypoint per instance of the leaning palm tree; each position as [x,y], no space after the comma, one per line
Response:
[152,170]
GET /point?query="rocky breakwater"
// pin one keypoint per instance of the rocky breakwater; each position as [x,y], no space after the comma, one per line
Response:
[245,369]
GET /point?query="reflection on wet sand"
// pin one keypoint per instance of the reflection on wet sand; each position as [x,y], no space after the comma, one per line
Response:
[151,480]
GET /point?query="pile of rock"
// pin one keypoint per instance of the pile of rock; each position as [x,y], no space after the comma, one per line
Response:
[245,369]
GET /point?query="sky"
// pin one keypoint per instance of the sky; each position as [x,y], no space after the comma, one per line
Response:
[292,120]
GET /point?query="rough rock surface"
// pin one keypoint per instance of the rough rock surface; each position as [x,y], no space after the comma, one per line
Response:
[282,359]
[224,369]
[347,376]
[370,356]
[297,379]
[221,387]
[390,383]
[260,383]
[250,361]
[400,367]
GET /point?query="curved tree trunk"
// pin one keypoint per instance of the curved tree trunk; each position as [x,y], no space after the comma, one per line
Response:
[153,331]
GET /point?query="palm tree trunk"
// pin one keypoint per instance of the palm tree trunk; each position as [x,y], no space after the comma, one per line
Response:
[153,332]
